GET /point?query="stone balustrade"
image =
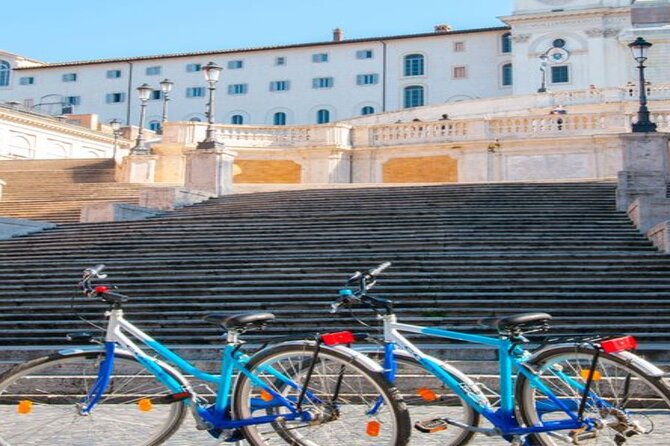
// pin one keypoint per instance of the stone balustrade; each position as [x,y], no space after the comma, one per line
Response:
[246,136]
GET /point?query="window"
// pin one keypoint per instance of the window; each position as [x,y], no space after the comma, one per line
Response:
[195,120]
[560,75]
[193,67]
[70,77]
[280,85]
[459,47]
[364,54]
[72,100]
[195,92]
[320,57]
[153,71]
[414,65]
[113,74]
[28,103]
[367,110]
[506,43]
[156,95]
[322,116]
[322,82]
[507,75]
[5,71]
[414,96]
[154,125]
[558,43]
[237,89]
[237,120]
[235,64]
[279,118]
[459,72]
[280,61]
[115,98]
[367,79]
[28,80]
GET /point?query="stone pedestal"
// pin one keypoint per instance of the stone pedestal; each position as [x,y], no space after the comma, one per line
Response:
[170,198]
[324,166]
[138,169]
[210,171]
[645,167]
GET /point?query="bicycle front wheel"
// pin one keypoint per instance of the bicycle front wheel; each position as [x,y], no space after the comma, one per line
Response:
[39,404]
[631,408]
[349,403]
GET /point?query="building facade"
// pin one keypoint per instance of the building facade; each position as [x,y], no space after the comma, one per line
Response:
[584,41]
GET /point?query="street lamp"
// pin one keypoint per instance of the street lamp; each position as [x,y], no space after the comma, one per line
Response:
[544,64]
[639,49]
[144,92]
[115,124]
[212,72]
[166,88]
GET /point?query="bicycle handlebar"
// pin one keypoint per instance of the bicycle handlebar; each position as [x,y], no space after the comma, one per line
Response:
[364,281]
[102,292]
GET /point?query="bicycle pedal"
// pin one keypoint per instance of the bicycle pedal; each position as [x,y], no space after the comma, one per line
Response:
[234,436]
[579,435]
[431,426]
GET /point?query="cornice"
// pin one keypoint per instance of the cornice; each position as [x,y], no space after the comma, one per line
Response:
[59,127]
[553,15]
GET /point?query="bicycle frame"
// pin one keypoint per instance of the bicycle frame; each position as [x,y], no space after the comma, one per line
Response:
[217,415]
[511,358]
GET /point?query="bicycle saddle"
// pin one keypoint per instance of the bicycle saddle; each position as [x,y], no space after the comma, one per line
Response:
[239,321]
[516,321]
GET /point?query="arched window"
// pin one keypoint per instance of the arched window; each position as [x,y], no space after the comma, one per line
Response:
[5,70]
[414,65]
[414,96]
[279,118]
[507,75]
[367,110]
[506,43]
[322,116]
[195,119]
[237,120]
[154,125]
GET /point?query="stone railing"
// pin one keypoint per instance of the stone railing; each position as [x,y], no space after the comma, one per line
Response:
[241,136]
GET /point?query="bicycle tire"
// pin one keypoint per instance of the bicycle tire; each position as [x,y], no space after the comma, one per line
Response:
[38,403]
[427,398]
[361,386]
[629,391]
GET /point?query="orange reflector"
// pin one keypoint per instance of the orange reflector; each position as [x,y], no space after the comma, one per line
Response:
[266,396]
[619,344]
[145,405]
[24,407]
[427,394]
[585,375]
[373,428]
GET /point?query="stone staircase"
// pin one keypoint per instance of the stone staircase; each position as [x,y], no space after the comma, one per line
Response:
[460,252]
[56,190]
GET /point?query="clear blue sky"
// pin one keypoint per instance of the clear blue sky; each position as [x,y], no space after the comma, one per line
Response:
[90,29]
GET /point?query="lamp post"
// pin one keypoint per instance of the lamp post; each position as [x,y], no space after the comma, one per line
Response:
[639,49]
[166,88]
[144,92]
[544,63]
[116,130]
[212,72]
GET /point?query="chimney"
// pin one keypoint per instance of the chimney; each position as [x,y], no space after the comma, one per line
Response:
[338,35]
[443,28]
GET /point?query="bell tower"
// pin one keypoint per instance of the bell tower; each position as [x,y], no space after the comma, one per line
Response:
[539,6]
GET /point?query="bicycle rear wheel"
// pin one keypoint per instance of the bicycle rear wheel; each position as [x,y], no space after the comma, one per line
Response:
[350,403]
[39,404]
[634,408]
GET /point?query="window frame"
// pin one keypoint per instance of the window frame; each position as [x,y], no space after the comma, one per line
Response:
[69,77]
[238,89]
[320,58]
[234,117]
[362,78]
[193,67]
[323,116]
[567,74]
[457,68]
[154,70]
[237,64]
[458,46]
[283,120]
[407,89]
[368,110]
[191,90]
[113,74]
[274,86]
[27,80]
[365,54]
[321,83]
[109,98]
[506,44]
[414,62]
[5,73]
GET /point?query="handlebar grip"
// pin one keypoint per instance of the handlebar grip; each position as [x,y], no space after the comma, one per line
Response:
[357,275]
[378,270]
[96,270]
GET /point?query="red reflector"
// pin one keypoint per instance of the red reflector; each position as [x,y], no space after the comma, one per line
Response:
[341,337]
[101,289]
[619,344]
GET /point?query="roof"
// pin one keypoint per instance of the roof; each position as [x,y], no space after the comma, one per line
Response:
[264,48]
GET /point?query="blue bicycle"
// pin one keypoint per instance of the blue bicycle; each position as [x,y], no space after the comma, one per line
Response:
[302,392]
[592,391]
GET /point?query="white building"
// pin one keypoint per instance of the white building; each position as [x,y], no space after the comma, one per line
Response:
[585,41]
